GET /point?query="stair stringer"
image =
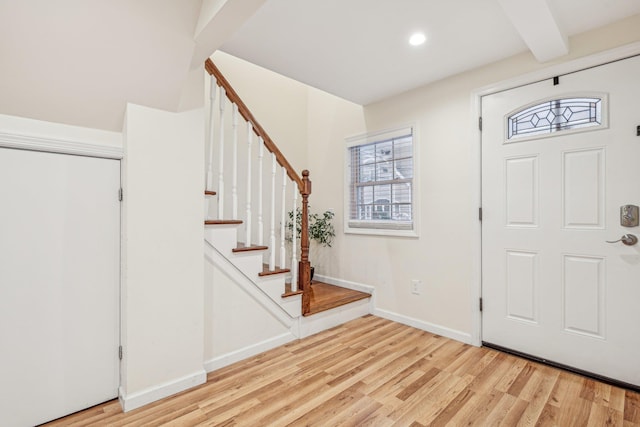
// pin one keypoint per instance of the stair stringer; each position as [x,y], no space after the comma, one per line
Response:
[251,288]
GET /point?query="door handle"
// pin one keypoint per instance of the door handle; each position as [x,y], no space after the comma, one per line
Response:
[627,239]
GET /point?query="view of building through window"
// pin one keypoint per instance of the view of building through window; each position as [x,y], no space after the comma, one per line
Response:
[381,182]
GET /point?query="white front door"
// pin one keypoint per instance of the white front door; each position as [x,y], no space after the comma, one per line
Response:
[59,284]
[552,286]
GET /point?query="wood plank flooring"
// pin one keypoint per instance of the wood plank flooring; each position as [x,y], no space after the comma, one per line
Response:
[374,372]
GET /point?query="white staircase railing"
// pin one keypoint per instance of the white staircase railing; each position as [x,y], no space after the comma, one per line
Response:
[242,166]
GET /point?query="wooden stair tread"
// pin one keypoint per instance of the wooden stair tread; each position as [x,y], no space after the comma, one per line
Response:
[222,222]
[266,272]
[209,193]
[243,248]
[288,292]
[325,297]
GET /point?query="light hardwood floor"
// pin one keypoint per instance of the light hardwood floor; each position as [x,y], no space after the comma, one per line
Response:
[374,372]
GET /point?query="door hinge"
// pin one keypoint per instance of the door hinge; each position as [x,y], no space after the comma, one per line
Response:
[480,123]
[556,80]
[480,304]
[480,214]
[120,352]
[120,194]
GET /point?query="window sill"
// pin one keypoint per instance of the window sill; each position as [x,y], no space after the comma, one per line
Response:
[381,232]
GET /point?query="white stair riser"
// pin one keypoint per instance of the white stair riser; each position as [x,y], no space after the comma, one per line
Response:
[222,237]
[250,263]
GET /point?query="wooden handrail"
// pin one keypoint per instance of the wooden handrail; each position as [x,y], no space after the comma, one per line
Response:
[259,130]
[303,183]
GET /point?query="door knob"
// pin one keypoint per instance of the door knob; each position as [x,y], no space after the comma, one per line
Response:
[627,239]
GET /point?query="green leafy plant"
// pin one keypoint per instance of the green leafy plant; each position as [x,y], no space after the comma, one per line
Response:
[320,227]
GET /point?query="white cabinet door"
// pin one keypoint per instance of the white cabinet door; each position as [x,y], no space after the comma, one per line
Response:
[552,286]
[59,284]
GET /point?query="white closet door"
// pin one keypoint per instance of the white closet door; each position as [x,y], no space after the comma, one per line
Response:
[59,284]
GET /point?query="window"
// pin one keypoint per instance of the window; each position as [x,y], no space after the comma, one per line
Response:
[380,197]
[555,115]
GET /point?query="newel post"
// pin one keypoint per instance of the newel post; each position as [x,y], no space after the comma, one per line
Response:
[304,267]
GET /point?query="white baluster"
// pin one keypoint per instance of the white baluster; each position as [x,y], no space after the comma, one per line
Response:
[248,213]
[212,97]
[294,239]
[220,189]
[272,230]
[260,219]
[283,253]
[234,182]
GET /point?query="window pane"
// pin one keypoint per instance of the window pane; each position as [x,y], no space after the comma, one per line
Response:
[382,194]
[367,173]
[401,213]
[384,171]
[403,168]
[366,153]
[402,148]
[383,151]
[402,193]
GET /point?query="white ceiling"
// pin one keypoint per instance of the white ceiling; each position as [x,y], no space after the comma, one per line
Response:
[81,61]
[358,50]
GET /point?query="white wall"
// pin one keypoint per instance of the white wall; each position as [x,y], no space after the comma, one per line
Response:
[162,289]
[278,103]
[444,256]
[236,326]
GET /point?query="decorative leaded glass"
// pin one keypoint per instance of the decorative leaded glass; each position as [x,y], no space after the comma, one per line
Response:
[554,116]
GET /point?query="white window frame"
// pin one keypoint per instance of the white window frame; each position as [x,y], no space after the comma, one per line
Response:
[382,228]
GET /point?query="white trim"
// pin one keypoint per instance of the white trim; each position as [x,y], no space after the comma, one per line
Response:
[248,286]
[381,135]
[425,326]
[594,60]
[248,351]
[61,146]
[140,398]
[354,286]
[400,318]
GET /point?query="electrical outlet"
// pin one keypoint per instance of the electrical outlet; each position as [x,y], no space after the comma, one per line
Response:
[415,286]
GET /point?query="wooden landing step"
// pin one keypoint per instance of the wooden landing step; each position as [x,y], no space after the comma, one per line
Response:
[325,297]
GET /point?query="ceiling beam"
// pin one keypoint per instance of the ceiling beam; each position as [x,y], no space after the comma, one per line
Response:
[535,22]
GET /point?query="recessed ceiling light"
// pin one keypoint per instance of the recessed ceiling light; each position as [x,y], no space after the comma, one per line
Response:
[417,39]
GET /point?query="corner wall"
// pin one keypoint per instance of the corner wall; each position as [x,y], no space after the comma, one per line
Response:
[162,277]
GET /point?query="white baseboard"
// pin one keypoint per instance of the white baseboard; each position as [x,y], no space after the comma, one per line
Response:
[246,352]
[346,284]
[425,326]
[138,399]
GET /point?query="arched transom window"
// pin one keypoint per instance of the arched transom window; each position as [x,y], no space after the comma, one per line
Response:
[554,116]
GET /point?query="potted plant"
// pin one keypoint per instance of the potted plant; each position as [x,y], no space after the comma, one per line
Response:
[321,228]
